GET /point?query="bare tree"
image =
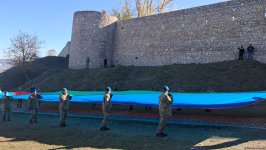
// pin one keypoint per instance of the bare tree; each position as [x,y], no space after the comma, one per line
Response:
[115,12]
[23,48]
[162,5]
[139,8]
[51,52]
[142,8]
[147,8]
[124,12]
[127,13]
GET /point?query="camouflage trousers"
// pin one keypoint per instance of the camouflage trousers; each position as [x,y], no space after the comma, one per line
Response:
[63,115]
[162,124]
[105,119]
[6,114]
[34,113]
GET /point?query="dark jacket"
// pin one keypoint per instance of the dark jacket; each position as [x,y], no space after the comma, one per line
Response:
[250,49]
[241,50]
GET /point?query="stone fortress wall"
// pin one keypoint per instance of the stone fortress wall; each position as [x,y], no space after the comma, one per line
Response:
[203,34]
[65,51]
[90,41]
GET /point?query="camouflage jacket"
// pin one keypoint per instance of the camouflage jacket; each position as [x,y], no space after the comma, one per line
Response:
[7,100]
[64,102]
[107,105]
[33,101]
[165,105]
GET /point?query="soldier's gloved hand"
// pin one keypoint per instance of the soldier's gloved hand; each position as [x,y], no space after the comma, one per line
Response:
[169,94]
[39,96]
[70,97]
[111,95]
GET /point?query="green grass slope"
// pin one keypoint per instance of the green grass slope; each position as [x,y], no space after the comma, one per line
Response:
[18,76]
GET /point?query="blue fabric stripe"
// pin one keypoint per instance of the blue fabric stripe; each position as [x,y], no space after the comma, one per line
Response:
[187,100]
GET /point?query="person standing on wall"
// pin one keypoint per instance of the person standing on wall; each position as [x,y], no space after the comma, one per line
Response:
[33,103]
[165,101]
[106,108]
[241,52]
[250,50]
[7,100]
[116,86]
[64,99]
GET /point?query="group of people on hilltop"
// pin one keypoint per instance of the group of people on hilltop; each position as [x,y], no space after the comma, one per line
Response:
[165,101]
[250,51]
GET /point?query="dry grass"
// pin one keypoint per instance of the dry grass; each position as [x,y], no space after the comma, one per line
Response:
[50,74]
[83,133]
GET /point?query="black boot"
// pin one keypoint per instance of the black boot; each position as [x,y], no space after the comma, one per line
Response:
[161,134]
[104,128]
[62,125]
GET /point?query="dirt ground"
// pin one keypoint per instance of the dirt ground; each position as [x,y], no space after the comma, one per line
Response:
[83,133]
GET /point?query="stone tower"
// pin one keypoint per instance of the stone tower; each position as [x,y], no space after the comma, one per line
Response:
[92,40]
[204,34]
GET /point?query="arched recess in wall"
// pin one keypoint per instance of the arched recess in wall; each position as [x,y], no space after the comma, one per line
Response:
[105,62]
[88,62]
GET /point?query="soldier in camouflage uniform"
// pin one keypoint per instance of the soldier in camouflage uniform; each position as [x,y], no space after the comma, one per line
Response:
[63,106]
[106,108]
[33,105]
[7,100]
[165,101]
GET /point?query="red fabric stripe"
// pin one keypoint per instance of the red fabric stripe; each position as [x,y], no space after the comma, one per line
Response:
[20,93]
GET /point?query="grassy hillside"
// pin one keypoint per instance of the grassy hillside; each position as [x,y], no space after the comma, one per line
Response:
[50,74]
[17,76]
